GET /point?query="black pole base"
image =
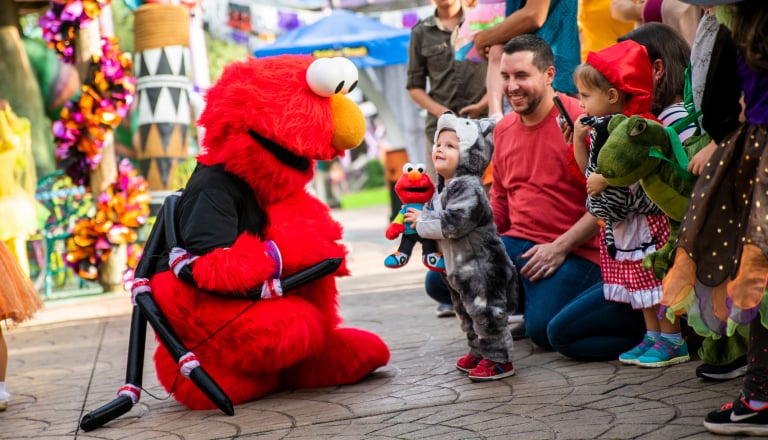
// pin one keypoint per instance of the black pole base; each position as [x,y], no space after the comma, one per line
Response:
[106,413]
[211,389]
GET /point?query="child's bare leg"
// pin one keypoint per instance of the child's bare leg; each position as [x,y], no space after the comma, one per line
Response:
[493,85]
[4,396]
[668,327]
[3,356]
[651,321]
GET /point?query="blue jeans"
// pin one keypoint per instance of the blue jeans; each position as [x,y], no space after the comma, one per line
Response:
[590,328]
[545,298]
[436,288]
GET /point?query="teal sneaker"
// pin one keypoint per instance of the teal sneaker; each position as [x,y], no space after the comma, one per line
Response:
[664,353]
[630,357]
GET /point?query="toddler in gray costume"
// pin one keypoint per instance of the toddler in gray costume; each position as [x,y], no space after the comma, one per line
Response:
[479,274]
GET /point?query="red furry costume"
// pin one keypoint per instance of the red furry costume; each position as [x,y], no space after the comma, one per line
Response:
[265,127]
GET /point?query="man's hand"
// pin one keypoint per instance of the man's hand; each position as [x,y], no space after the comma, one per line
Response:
[544,260]
[472,111]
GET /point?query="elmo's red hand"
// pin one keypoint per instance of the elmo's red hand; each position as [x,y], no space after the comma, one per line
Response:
[394,230]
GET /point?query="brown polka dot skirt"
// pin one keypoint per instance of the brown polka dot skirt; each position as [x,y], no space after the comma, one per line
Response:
[719,273]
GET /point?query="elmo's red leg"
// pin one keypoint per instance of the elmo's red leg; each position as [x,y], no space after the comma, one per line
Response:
[348,356]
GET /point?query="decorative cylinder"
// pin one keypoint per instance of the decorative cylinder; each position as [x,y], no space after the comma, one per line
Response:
[111,272]
[161,40]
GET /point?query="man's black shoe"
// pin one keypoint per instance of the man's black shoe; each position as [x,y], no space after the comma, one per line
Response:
[733,370]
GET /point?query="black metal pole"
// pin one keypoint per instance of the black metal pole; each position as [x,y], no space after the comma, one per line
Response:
[176,349]
[134,372]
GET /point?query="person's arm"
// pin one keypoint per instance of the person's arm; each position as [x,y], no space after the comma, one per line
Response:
[580,148]
[627,10]
[423,100]
[418,73]
[544,259]
[720,101]
[463,209]
[427,223]
[525,20]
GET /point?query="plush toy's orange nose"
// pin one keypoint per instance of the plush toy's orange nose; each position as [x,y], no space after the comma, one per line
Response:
[348,123]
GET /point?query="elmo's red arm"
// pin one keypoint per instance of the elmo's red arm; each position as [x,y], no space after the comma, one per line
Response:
[235,270]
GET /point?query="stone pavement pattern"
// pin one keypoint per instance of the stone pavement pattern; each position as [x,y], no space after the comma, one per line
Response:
[71,360]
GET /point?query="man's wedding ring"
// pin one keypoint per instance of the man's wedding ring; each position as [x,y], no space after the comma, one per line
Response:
[544,268]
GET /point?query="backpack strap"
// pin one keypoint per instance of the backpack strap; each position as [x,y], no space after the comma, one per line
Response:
[690,107]
[680,164]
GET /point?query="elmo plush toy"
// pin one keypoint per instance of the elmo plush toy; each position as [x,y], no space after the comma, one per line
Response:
[415,188]
[245,219]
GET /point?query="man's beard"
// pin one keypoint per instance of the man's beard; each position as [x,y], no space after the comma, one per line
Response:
[533,104]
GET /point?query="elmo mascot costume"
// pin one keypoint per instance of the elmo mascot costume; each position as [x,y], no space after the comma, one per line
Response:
[245,219]
[414,188]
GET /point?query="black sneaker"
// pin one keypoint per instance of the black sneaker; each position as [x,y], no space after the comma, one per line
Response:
[733,370]
[737,417]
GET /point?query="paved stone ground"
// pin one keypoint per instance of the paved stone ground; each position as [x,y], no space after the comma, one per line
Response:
[71,359]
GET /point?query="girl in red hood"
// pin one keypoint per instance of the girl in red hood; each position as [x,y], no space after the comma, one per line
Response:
[619,79]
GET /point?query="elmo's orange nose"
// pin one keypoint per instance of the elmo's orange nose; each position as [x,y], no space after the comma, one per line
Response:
[348,123]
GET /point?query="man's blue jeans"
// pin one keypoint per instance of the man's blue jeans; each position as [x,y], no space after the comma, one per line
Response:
[590,328]
[546,297]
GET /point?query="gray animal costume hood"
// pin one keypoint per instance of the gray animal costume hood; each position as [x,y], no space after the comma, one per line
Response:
[475,142]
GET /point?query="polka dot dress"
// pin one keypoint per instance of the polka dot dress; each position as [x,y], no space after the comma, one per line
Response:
[723,240]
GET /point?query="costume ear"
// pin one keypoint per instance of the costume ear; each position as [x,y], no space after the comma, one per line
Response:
[615,121]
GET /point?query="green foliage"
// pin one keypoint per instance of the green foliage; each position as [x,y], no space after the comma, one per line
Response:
[221,53]
[365,198]
[375,174]
[122,20]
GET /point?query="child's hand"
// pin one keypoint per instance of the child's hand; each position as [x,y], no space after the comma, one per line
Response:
[700,159]
[596,184]
[580,131]
[412,216]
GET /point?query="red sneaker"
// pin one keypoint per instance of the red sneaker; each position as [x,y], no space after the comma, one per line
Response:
[489,370]
[467,363]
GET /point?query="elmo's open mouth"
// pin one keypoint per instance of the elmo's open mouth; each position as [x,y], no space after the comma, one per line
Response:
[286,157]
[416,190]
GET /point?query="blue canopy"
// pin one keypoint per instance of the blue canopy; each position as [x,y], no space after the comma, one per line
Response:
[365,41]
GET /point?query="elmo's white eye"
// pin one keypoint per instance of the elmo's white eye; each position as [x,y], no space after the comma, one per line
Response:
[407,168]
[420,167]
[348,72]
[328,76]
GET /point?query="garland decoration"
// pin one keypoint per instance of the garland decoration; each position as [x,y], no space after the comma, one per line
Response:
[108,90]
[107,94]
[62,21]
[121,209]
